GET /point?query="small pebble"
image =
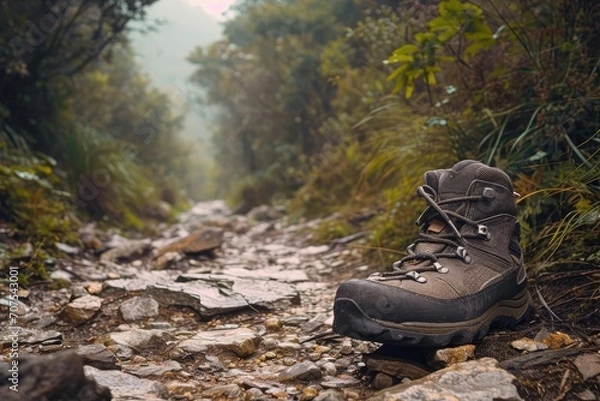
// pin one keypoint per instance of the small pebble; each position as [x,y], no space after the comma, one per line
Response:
[346,348]
[254,394]
[329,369]
[273,324]
[382,380]
[309,393]
[528,345]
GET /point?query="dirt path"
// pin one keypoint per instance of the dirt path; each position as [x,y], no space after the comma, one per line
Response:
[239,307]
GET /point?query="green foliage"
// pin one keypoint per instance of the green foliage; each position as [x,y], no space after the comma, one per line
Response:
[457,22]
[528,103]
[34,206]
[31,195]
[335,227]
[81,129]
[514,84]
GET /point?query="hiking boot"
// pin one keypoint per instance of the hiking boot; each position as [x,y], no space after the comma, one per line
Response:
[462,275]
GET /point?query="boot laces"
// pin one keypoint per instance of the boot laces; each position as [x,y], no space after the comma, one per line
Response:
[454,241]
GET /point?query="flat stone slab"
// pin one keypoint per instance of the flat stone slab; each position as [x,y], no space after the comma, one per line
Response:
[209,294]
[135,338]
[138,308]
[124,386]
[82,309]
[98,356]
[153,370]
[202,240]
[278,273]
[242,342]
[29,337]
[479,380]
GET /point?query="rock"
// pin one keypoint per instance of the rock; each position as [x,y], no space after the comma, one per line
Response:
[329,369]
[181,388]
[395,366]
[78,292]
[29,337]
[68,249]
[479,380]
[167,259]
[343,381]
[122,352]
[528,345]
[330,395]
[127,387]
[382,380]
[203,240]
[138,308]
[294,320]
[273,324]
[208,294]
[263,213]
[449,356]
[94,288]
[214,294]
[82,309]
[557,340]
[306,370]
[129,249]
[223,391]
[98,356]
[272,272]
[588,365]
[61,275]
[254,394]
[153,370]
[51,377]
[242,342]
[309,393]
[316,322]
[137,338]
[8,302]
[346,348]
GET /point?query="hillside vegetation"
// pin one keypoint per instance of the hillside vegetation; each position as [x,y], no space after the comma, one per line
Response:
[83,135]
[342,105]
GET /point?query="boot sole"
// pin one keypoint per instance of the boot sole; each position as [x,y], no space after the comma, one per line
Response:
[351,321]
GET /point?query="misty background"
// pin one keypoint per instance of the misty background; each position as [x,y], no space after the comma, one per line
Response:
[162,54]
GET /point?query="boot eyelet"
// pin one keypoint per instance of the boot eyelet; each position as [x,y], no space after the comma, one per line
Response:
[440,269]
[416,276]
[484,232]
[462,253]
[488,193]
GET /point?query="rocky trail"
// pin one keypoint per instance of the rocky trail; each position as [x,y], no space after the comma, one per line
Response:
[232,307]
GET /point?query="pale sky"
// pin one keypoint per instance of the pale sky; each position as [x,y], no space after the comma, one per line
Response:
[215,8]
